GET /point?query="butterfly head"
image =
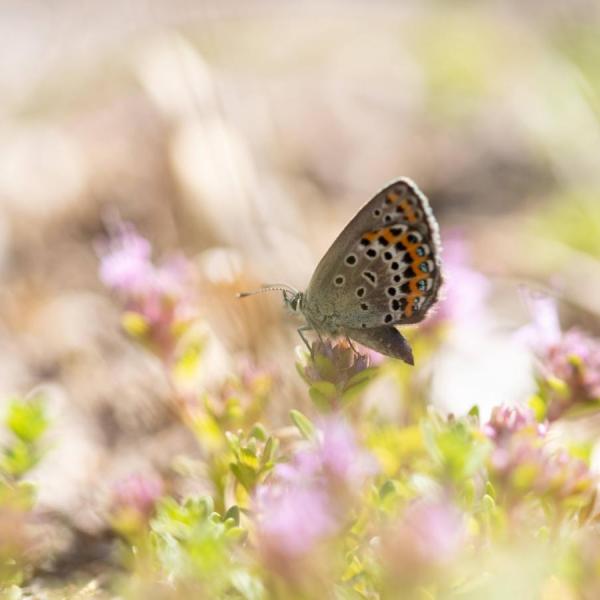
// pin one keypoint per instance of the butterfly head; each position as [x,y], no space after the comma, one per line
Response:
[293,300]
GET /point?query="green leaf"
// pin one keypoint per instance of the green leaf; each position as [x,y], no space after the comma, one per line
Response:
[233,513]
[245,475]
[269,450]
[389,487]
[538,406]
[474,411]
[27,419]
[363,376]
[258,432]
[303,424]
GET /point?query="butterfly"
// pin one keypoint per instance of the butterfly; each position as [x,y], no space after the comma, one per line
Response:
[383,270]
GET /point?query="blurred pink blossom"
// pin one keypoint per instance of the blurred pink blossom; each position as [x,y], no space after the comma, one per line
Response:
[293,518]
[306,499]
[521,460]
[340,455]
[161,294]
[571,357]
[429,535]
[136,496]
[507,420]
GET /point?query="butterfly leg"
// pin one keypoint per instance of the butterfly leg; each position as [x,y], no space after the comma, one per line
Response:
[301,331]
[351,345]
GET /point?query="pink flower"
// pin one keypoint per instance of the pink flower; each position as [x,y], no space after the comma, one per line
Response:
[429,535]
[125,265]
[307,499]
[293,518]
[507,420]
[571,358]
[340,455]
[522,462]
[134,499]
[336,363]
[159,295]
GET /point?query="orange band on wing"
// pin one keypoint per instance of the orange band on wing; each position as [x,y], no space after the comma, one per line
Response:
[392,197]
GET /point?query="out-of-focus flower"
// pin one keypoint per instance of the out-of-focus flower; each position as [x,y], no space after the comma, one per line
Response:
[507,420]
[340,455]
[522,462]
[463,295]
[133,501]
[293,518]
[429,536]
[306,500]
[157,298]
[568,363]
[335,373]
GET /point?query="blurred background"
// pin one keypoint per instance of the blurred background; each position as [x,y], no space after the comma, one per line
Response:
[247,134]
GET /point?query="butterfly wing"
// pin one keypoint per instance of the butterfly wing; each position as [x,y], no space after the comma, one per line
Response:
[387,340]
[383,269]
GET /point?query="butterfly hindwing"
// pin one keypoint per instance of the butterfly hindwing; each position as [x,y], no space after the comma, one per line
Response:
[386,340]
[384,268]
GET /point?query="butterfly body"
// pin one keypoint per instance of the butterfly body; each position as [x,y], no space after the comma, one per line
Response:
[382,270]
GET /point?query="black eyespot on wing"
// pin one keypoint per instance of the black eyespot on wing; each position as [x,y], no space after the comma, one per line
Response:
[409,272]
[360,292]
[351,259]
[397,278]
[388,255]
[383,241]
[405,288]
[365,242]
[400,246]
[391,291]
[412,238]
[388,318]
[371,253]
[395,305]
[395,266]
[407,258]
[364,306]
[339,280]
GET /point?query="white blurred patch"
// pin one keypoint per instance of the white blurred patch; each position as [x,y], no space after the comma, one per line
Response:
[41,171]
[483,368]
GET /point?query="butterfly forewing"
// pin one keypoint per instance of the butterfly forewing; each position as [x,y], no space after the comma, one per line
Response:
[384,268]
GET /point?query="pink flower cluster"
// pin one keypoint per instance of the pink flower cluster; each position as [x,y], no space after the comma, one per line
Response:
[160,295]
[429,536]
[336,363]
[505,421]
[522,462]
[134,499]
[569,358]
[303,503]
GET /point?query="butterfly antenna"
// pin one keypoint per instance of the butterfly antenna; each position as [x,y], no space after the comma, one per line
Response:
[277,287]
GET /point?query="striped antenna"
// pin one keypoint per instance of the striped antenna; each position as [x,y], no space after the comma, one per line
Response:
[276,287]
